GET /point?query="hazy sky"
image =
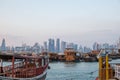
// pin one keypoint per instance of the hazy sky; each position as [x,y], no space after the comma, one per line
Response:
[79,21]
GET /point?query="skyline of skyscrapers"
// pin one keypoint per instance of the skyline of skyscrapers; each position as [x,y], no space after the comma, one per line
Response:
[56,46]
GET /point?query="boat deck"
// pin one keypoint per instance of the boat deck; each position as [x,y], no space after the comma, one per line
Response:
[24,72]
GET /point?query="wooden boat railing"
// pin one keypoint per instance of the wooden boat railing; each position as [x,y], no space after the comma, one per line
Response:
[117,71]
[9,67]
[20,71]
[30,72]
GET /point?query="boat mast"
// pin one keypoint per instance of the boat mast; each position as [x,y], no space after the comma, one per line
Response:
[107,67]
[105,71]
[13,59]
[1,65]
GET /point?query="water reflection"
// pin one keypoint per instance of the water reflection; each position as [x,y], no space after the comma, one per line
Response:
[70,64]
[73,71]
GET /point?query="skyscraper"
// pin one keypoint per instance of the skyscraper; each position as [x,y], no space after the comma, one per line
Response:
[58,45]
[63,46]
[36,48]
[51,46]
[70,45]
[3,46]
[95,46]
[75,47]
[80,49]
[118,44]
[45,46]
[86,49]
[105,46]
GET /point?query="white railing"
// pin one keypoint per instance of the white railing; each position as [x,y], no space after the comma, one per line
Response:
[117,71]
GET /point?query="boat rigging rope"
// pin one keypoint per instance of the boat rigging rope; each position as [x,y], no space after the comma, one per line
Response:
[91,74]
[88,78]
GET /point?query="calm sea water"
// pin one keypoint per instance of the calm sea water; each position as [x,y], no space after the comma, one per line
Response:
[73,71]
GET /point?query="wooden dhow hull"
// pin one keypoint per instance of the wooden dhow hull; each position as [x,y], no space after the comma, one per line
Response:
[27,68]
[39,77]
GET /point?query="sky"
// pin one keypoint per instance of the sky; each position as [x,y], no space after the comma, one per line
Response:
[80,21]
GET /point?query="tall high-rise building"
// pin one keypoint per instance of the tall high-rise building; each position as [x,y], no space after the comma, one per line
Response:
[81,49]
[3,46]
[105,46]
[51,46]
[58,45]
[75,47]
[70,45]
[36,48]
[95,46]
[63,46]
[87,50]
[45,46]
[118,44]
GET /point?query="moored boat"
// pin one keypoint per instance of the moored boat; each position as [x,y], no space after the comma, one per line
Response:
[23,67]
[107,71]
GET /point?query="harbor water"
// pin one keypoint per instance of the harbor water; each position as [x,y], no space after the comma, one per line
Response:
[74,71]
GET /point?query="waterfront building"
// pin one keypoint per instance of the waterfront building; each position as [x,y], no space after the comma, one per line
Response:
[45,46]
[23,48]
[118,45]
[80,49]
[105,46]
[3,46]
[58,45]
[12,49]
[28,49]
[86,50]
[8,48]
[36,48]
[95,46]
[63,46]
[42,49]
[75,47]
[70,45]
[99,46]
[19,49]
[51,46]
